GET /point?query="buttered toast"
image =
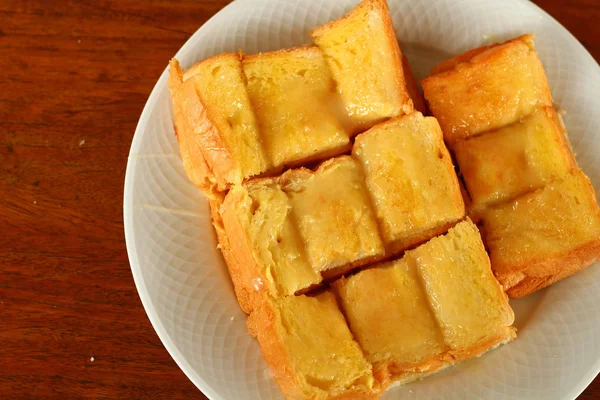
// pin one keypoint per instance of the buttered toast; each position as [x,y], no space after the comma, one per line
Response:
[395,322]
[487,88]
[539,212]
[303,227]
[365,60]
[408,172]
[346,226]
[216,128]
[241,116]
[301,118]
[411,322]
[544,236]
[309,349]
[526,156]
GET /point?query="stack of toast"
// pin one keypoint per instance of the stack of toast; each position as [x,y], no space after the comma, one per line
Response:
[346,230]
[537,209]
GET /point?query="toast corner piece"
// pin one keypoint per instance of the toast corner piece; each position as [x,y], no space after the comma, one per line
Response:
[263,250]
[215,122]
[510,81]
[366,62]
[309,349]
[474,314]
[175,75]
[544,236]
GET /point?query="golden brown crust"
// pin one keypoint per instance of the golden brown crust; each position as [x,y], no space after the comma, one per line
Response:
[249,282]
[450,64]
[262,324]
[197,133]
[304,51]
[503,336]
[390,372]
[403,91]
[537,275]
[563,139]
[468,113]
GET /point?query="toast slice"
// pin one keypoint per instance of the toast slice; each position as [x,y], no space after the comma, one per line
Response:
[215,126]
[411,179]
[544,236]
[283,229]
[389,315]
[292,232]
[262,245]
[487,88]
[365,60]
[309,349]
[332,209]
[438,304]
[468,302]
[516,159]
[300,116]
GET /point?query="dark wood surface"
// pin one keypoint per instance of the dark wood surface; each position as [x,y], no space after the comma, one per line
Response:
[75,77]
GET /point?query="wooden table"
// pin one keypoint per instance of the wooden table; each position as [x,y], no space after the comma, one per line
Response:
[76,75]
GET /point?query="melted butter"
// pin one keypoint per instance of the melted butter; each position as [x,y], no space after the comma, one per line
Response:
[466,299]
[521,157]
[321,348]
[360,53]
[543,225]
[257,284]
[389,316]
[295,105]
[332,209]
[409,175]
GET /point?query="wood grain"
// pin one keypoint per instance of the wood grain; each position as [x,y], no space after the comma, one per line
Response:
[76,75]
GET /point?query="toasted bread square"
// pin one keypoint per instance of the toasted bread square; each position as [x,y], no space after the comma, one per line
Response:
[265,241]
[487,88]
[287,233]
[389,316]
[468,302]
[411,179]
[365,59]
[334,216]
[544,236]
[514,160]
[309,349]
[214,122]
[299,114]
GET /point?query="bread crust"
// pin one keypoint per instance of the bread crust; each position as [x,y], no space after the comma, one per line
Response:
[391,372]
[197,132]
[525,279]
[450,64]
[249,282]
[503,336]
[263,326]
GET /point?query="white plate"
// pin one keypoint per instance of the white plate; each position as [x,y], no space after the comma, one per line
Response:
[182,279]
